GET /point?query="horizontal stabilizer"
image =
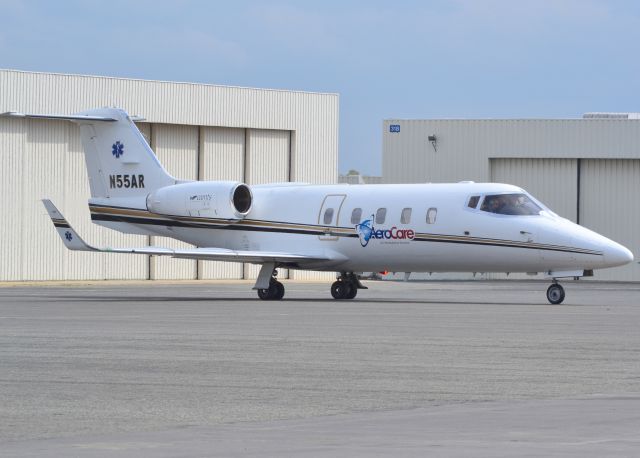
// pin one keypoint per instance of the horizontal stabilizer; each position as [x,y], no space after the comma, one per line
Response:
[78,117]
[73,241]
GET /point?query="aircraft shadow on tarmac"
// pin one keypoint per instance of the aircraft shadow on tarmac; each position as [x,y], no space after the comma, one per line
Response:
[139,299]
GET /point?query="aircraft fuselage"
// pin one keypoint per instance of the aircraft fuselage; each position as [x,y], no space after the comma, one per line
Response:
[440,232]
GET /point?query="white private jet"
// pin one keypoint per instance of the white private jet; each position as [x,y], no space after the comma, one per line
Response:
[460,227]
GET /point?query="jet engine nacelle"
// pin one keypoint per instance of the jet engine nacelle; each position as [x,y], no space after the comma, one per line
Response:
[227,200]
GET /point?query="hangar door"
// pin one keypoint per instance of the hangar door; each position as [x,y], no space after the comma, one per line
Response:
[268,154]
[554,182]
[600,194]
[221,157]
[254,156]
[610,205]
[177,150]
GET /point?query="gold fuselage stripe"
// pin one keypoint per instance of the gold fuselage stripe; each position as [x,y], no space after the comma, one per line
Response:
[319,229]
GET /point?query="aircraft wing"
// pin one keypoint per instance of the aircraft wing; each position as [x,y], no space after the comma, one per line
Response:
[73,241]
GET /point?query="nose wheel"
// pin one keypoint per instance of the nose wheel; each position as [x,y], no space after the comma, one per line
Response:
[555,293]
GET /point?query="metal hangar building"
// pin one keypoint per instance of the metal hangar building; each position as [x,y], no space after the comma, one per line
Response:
[198,131]
[585,169]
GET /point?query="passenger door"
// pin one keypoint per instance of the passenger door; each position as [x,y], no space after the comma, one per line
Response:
[329,215]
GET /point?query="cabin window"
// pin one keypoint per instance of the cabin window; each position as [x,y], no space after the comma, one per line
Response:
[431,215]
[473,201]
[381,215]
[356,216]
[510,204]
[405,216]
[328,216]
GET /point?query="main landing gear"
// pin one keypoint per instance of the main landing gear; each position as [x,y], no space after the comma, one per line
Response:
[555,293]
[347,286]
[274,292]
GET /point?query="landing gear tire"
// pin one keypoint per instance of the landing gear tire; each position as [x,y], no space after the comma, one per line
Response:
[280,291]
[275,291]
[264,294]
[353,292]
[342,290]
[555,293]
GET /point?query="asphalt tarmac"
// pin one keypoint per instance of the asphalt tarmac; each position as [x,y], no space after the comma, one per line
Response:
[405,369]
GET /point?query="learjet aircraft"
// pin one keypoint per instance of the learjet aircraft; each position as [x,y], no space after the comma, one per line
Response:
[455,227]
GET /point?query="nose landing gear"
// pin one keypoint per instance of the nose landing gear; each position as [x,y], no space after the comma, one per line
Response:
[555,293]
[347,286]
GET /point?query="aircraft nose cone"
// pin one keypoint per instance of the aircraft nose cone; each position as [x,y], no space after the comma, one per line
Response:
[617,255]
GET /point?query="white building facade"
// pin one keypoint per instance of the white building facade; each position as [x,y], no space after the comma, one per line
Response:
[198,131]
[587,169]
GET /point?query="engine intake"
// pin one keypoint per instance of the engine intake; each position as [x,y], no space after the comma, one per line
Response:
[225,200]
[242,199]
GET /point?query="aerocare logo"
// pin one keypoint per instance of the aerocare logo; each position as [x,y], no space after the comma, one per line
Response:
[366,231]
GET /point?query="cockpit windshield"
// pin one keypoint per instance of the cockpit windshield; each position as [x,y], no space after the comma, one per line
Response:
[510,204]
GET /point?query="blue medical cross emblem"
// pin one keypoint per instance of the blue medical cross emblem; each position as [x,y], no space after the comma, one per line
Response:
[117,149]
[68,236]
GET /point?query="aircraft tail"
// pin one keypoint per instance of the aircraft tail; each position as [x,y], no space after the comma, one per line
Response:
[120,162]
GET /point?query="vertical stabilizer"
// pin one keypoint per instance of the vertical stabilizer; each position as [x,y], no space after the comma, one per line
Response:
[120,162]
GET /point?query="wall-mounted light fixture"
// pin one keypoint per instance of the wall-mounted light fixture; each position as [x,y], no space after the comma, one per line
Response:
[434,142]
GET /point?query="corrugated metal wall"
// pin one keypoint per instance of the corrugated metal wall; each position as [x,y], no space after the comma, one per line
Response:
[44,159]
[313,116]
[463,147]
[12,136]
[198,131]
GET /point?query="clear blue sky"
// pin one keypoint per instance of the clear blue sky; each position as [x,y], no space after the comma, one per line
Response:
[391,59]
